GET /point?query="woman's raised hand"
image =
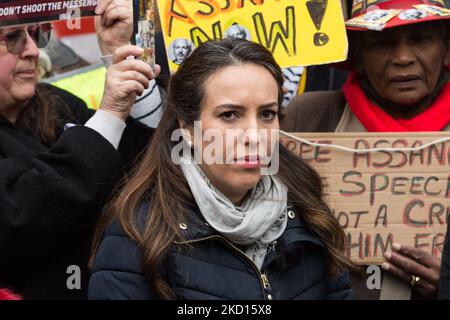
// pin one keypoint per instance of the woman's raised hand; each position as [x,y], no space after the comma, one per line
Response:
[126,79]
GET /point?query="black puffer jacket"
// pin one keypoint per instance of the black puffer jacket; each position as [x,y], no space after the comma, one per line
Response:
[207,266]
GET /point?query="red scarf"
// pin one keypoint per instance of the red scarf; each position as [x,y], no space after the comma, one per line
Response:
[5,294]
[374,119]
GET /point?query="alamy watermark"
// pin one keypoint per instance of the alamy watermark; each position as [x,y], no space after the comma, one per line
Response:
[73,18]
[373,281]
[252,148]
[73,281]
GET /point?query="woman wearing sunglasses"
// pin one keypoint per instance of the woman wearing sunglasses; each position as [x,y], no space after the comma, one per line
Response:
[58,163]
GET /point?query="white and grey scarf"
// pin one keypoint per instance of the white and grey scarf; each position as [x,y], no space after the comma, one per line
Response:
[257,223]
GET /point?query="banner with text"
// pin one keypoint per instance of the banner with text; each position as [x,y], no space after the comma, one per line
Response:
[30,11]
[297,32]
[383,197]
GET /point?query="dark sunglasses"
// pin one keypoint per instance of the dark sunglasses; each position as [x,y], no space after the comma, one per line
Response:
[16,40]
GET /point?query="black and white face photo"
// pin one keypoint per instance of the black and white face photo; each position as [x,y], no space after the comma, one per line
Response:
[179,50]
[375,15]
[236,31]
[412,14]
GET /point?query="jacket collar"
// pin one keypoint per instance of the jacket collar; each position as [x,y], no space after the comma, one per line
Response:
[196,228]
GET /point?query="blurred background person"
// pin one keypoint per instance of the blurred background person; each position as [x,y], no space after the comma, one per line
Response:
[398,83]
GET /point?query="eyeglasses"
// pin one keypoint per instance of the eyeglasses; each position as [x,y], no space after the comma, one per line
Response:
[16,40]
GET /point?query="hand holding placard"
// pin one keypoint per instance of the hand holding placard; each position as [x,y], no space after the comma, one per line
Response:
[415,267]
[125,80]
[113,24]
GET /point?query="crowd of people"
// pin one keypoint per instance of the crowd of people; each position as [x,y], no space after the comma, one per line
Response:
[144,215]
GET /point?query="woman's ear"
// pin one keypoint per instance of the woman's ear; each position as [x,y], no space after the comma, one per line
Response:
[182,124]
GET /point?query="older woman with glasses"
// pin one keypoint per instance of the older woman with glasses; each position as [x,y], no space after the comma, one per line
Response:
[16,39]
[58,161]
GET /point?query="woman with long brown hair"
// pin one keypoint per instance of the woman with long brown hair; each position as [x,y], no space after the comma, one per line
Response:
[192,228]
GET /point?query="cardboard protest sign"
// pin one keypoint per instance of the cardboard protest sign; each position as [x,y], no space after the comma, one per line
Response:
[14,12]
[387,196]
[297,32]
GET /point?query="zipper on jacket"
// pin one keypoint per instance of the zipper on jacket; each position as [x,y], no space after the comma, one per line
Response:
[263,279]
[267,286]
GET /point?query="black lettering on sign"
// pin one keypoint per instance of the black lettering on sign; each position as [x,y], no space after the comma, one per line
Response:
[286,35]
[377,144]
[382,214]
[416,154]
[364,155]
[383,246]
[361,188]
[407,220]
[376,187]
[316,9]
[174,14]
[199,36]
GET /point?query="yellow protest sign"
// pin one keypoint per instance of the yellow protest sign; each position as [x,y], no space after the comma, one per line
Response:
[297,32]
[381,197]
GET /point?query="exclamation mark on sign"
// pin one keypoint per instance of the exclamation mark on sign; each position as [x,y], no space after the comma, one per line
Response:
[316,9]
